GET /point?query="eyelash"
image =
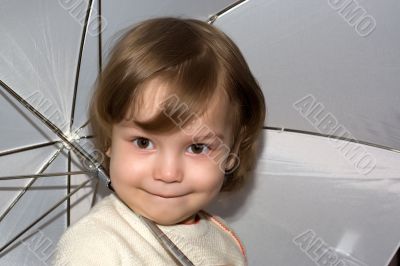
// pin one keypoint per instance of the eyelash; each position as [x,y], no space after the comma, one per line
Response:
[203,145]
[199,144]
[139,138]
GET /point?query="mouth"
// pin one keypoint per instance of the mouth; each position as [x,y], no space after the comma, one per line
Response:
[166,196]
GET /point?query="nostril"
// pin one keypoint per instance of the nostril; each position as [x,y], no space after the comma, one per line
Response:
[168,168]
[168,177]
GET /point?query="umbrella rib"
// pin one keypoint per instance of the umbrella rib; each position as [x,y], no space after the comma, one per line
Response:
[334,137]
[220,13]
[96,188]
[43,168]
[78,67]
[40,145]
[69,190]
[86,137]
[28,148]
[44,215]
[81,127]
[2,178]
[100,56]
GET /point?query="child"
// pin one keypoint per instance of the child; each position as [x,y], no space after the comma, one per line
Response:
[178,114]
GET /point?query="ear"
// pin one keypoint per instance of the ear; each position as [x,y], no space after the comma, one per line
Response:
[108,152]
[232,160]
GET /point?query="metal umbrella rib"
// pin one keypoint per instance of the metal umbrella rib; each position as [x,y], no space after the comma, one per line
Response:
[43,175]
[78,67]
[220,13]
[28,148]
[333,137]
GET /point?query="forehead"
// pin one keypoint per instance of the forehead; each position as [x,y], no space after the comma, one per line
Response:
[151,96]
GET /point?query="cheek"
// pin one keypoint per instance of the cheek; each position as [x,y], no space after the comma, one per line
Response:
[127,170]
[207,178]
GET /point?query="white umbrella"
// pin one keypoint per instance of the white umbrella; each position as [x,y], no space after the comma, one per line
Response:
[326,68]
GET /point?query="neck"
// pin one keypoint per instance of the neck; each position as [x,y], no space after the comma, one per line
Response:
[191,220]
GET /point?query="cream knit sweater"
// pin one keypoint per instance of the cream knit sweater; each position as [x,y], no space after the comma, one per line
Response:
[112,235]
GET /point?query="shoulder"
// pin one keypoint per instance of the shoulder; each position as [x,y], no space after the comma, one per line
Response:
[90,239]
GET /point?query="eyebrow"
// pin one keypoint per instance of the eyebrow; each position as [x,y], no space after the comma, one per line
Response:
[210,135]
[129,123]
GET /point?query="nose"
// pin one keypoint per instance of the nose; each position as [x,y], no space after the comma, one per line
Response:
[168,168]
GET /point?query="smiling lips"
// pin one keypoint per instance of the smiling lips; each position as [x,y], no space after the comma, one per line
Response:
[166,196]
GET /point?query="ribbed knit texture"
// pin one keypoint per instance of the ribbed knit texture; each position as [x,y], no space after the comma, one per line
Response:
[113,235]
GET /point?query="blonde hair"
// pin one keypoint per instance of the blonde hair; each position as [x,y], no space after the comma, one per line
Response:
[196,60]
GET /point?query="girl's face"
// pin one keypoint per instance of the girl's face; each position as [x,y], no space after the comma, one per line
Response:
[169,177]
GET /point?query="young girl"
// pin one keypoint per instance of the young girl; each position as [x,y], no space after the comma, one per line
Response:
[178,114]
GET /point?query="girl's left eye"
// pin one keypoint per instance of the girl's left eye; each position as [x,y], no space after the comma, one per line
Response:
[199,148]
[143,143]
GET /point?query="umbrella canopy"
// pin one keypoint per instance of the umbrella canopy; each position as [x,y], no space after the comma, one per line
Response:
[326,187]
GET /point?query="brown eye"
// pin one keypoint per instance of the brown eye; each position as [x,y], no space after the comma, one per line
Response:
[199,148]
[143,143]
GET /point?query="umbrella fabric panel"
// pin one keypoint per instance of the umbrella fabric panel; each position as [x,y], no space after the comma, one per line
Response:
[39,54]
[18,127]
[312,48]
[304,188]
